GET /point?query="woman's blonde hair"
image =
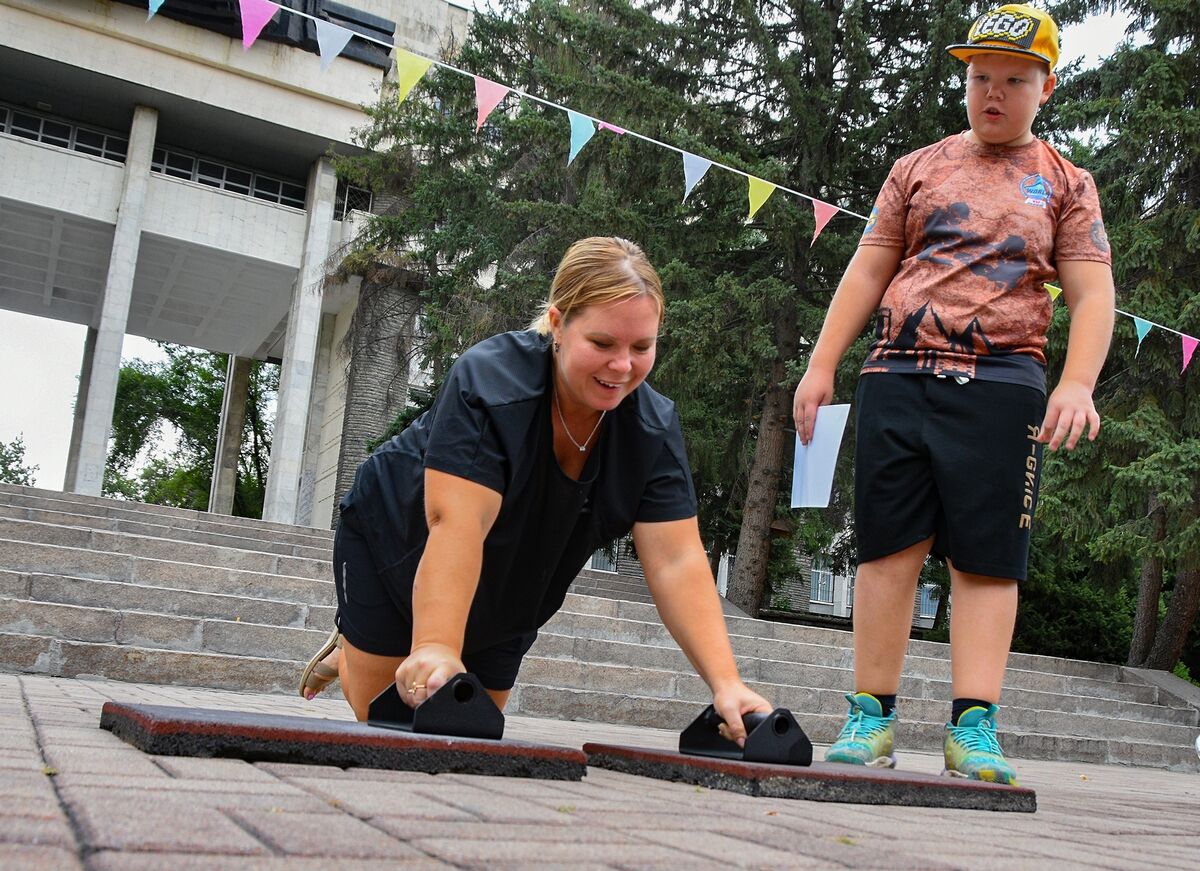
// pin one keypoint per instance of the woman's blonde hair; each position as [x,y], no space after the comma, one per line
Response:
[599,270]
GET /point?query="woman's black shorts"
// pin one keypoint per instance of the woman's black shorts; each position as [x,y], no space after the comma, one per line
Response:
[960,462]
[371,618]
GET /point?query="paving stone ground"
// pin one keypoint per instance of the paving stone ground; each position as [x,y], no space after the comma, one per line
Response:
[80,798]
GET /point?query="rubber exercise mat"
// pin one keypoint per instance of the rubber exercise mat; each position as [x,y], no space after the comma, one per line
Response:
[177,731]
[817,782]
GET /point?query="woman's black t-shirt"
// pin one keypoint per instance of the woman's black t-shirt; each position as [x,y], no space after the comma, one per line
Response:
[490,424]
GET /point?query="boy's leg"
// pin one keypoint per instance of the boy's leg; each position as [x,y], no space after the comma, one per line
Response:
[981,627]
[981,630]
[896,508]
[884,590]
[883,595]
[987,463]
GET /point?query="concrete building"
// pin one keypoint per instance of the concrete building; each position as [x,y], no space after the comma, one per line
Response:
[156,179]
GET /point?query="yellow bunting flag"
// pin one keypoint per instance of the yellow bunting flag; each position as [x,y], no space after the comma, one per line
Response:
[760,192]
[409,70]
[1053,291]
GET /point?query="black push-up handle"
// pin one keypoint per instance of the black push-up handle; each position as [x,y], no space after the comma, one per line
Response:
[775,737]
[461,709]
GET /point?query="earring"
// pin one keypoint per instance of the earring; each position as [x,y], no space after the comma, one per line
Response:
[557,347]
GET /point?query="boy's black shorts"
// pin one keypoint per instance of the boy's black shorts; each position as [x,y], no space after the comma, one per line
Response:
[960,462]
[374,622]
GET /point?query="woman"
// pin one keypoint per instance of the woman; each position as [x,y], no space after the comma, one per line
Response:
[461,535]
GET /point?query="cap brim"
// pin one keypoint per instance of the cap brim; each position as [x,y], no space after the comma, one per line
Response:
[965,52]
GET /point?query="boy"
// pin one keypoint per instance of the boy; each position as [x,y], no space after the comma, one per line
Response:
[951,404]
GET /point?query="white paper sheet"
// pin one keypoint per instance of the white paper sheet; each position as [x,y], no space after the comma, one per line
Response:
[812,476]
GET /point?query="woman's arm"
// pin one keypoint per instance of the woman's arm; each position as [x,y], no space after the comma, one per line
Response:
[682,585]
[460,513]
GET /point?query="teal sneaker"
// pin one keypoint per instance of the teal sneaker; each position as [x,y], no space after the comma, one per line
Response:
[972,749]
[868,737]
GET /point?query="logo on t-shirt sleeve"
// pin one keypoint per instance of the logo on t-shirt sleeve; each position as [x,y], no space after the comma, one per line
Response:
[1036,190]
[872,221]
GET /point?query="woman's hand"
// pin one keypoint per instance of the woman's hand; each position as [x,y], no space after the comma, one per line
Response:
[733,700]
[426,670]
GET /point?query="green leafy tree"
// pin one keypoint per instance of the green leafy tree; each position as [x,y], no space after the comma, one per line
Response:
[179,402]
[12,463]
[1128,506]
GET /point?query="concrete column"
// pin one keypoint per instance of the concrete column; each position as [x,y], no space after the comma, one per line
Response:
[316,418]
[300,351]
[101,395]
[85,377]
[229,436]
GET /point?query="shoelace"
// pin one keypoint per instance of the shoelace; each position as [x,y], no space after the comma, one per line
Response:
[981,737]
[871,726]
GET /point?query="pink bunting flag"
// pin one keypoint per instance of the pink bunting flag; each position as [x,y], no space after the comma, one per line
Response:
[255,15]
[1189,348]
[488,95]
[604,125]
[822,211]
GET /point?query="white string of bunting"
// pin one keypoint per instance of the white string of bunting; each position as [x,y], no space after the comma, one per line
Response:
[1143,327]
[332,40]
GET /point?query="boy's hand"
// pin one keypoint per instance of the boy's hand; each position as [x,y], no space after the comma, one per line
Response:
[1068,412]
[815,389]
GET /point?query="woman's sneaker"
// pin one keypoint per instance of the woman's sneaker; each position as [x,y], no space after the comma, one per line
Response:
[868,737]
[972,749]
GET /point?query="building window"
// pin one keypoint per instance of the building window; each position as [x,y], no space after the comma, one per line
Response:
[350,199]
[203,170]
[61,134]
[929,600]
[604,560]
[822,581]
[850,593]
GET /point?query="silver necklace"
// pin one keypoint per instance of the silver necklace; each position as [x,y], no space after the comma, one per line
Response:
[563,421]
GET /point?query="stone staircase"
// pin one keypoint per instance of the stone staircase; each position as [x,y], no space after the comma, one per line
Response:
[120,590]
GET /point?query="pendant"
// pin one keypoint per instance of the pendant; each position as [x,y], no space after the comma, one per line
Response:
[582,448]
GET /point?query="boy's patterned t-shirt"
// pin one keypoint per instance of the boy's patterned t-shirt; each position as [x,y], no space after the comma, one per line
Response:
[981,228]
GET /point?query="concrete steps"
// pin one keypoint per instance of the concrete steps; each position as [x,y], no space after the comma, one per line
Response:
[141,593]
[608,585]
[176,518]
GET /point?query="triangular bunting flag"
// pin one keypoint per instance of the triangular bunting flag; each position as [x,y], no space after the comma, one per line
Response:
[822,212]
[693,170]
[582,130]
[1189,348]
[331,39]
[255,15]
[488,95]
[155,5]
[760,192]
[604,125]
[1053,290]
[1142,327]
[410,68]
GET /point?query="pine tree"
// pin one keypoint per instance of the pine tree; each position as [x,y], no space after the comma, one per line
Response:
[1130,502]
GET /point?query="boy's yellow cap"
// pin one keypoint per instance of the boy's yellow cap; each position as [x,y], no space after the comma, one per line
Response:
[1013,28]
